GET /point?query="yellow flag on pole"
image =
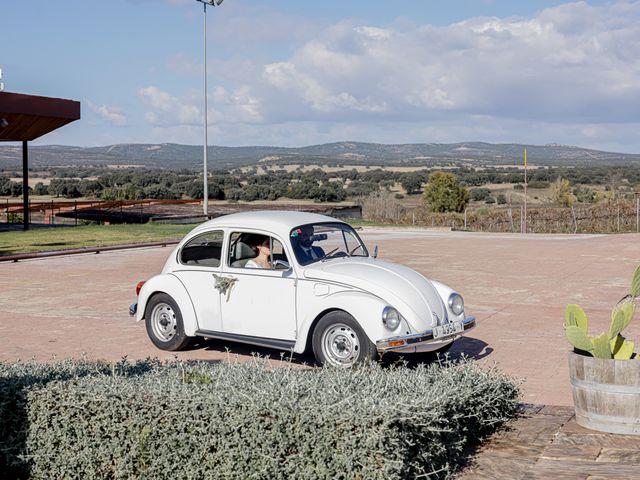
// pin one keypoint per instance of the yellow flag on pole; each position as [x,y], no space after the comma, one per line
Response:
[525,157]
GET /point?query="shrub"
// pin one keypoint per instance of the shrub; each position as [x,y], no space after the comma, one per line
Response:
[480,194]
[411,182]
[361,189]
[585,195]
[561,192]
[444,193]
[17,379]
[246,420]
[13,217]
[40,189]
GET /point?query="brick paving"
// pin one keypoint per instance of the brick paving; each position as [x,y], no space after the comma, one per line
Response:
[516,285]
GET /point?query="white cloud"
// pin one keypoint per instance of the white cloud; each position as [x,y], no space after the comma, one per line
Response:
[569,74]
[111,114]
[168,110]
[574,62]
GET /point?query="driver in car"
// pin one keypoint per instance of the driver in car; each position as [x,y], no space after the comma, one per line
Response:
[303,245]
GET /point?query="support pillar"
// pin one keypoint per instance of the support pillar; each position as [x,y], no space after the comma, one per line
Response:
[25,185]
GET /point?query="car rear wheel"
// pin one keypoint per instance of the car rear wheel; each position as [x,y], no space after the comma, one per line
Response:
[164,323]
[339,341]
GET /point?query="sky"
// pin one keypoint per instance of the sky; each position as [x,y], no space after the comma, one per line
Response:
[302,72]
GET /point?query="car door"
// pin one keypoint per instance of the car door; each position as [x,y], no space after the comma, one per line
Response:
[199,263]
[261,302]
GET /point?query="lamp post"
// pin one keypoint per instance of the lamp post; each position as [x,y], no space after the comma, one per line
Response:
[213,3]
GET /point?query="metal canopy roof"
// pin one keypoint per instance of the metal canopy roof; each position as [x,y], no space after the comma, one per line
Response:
[27,117]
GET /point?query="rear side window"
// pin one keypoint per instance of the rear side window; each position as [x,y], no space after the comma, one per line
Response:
[204,250]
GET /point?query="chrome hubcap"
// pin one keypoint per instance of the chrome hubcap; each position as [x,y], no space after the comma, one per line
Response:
[340,345]
[163,322]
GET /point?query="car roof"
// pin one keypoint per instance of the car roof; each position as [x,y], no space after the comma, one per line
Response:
[279,222]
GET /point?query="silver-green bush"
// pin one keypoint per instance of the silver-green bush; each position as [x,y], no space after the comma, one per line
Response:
[18,378]
[253,421]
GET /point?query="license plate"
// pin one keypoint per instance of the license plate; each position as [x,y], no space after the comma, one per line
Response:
[448,329]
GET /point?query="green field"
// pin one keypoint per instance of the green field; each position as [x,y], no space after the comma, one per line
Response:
[62,238]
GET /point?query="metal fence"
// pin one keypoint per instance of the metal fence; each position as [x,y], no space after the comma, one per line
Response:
[77,211]
[605,217]
[616,217]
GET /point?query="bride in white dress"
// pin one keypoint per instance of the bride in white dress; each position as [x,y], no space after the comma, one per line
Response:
[264,252]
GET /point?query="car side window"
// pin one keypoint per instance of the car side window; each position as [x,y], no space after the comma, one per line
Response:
[204,250]
[252,250]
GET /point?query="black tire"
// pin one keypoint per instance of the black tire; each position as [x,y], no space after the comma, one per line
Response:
[164,323]
[339,341]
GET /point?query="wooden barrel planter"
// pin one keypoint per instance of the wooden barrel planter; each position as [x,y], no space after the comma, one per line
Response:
[606,393]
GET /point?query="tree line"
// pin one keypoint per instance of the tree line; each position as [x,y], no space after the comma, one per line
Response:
[449,190]
[134,184]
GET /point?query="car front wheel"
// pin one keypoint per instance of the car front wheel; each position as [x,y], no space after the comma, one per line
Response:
[164,323]
[339,341]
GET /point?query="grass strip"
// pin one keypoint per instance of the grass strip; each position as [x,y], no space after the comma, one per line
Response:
[64,238]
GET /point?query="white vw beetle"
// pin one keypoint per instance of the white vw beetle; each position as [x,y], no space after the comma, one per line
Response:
[295,281]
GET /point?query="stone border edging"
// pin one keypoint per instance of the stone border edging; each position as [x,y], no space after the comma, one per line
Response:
[76,251]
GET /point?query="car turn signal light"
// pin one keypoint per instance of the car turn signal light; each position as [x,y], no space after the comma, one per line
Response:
[138,287]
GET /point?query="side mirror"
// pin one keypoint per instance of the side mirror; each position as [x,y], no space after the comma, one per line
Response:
[281,265]
[375,251]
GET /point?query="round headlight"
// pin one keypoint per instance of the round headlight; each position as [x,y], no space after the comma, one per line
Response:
[390,318]
[456,304]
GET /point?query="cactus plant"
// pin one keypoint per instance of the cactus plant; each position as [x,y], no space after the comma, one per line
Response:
[610,344]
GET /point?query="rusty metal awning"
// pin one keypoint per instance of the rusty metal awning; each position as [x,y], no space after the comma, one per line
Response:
[27,117]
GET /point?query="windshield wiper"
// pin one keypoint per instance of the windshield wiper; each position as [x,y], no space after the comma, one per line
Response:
[327,255]
[356,248]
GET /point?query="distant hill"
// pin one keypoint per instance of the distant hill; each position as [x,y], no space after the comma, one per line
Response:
[175,156]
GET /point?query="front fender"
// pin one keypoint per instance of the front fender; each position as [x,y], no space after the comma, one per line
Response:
[364,307]
[444,291]
[169,284]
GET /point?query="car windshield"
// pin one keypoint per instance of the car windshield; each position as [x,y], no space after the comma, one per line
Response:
[322,241]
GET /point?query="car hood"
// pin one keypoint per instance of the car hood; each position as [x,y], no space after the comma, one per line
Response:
[413,295]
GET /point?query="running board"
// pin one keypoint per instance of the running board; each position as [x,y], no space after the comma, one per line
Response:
[259,341]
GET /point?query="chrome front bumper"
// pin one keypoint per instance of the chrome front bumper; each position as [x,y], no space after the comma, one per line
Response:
[403,341]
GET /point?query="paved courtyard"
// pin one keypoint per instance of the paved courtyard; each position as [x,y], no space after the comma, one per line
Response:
[516,285]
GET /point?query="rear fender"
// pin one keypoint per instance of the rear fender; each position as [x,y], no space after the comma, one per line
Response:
[169,284]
